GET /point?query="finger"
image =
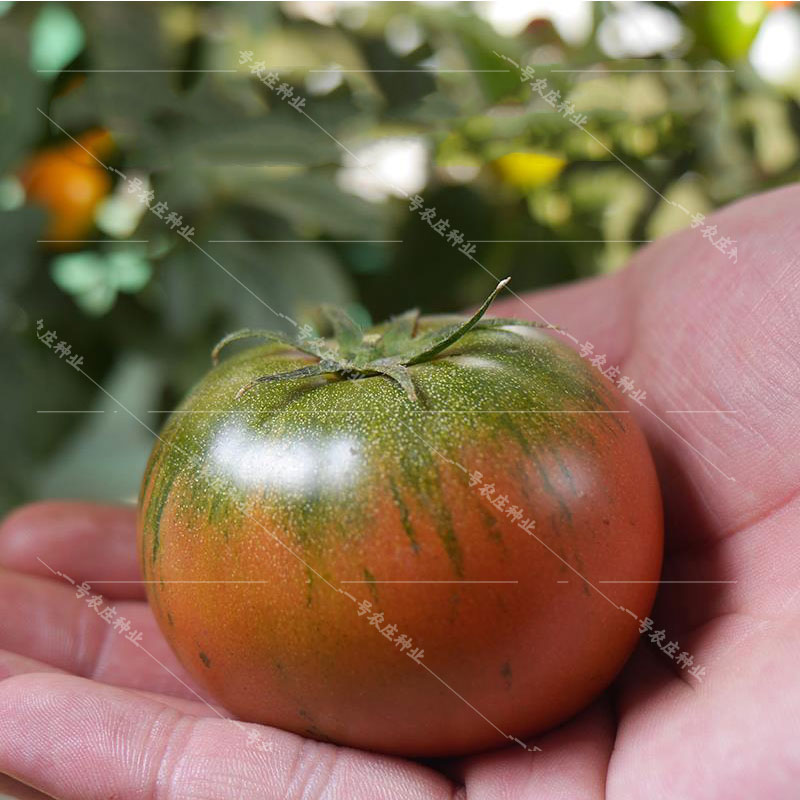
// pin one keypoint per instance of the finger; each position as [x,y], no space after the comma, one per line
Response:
[110,743]
[51,624]
[88,542]
[573,762]
[12,664]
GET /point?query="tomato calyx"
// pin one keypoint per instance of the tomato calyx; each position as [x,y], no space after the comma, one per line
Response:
[352,353]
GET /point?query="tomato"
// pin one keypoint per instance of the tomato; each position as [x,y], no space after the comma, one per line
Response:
[69,183]
[310,517]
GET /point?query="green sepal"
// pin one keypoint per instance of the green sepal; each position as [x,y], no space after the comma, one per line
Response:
[432,345]
[347,333]
[271,336]
[400,374]
[399,332]
[389,354]
[312,370]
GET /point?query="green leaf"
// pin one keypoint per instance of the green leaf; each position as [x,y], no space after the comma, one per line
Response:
[121,39]
[292,279]
[78,272]
[94,279]
[105,457]
[314,201]
[18,230]
[21,91]
[56,38]
[98,299]
[129,271]
[269,140]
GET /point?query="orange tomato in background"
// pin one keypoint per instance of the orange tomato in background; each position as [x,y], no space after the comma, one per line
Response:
[68,182]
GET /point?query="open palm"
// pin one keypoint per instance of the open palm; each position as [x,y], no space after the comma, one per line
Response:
[85,714]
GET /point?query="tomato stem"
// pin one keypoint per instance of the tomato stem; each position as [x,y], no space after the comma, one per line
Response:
[353,354]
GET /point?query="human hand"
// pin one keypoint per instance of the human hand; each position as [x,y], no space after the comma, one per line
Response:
[85,714]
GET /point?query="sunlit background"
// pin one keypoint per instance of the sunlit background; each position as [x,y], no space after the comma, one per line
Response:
[686,104]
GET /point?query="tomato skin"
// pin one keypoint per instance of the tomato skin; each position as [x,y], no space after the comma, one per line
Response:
[314,492]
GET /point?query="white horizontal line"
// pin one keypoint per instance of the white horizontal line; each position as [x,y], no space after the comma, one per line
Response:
[86,411]
[561,241]
[137,70]
[428,581]
[711,411]
[95,241]
[100,580]
[667,581]
[302,241]
[240,411]
[603,69]
[421,69]
[511,411]
[370,411]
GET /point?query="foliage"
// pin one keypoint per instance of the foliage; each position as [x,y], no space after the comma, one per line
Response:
[143,306]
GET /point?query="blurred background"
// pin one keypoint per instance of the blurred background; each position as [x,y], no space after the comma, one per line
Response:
[300,206]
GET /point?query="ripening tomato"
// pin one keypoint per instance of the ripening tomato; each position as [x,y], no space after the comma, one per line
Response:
[396,540]
[69,182]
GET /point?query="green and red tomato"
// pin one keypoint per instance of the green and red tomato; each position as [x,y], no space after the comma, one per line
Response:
[317,512]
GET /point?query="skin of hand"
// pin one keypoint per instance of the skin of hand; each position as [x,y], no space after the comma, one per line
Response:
[86,715]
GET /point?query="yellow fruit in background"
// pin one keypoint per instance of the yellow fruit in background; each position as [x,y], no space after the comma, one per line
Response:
[727,29]
[68,182]
[529,170]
